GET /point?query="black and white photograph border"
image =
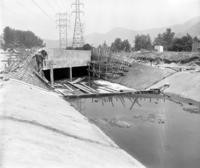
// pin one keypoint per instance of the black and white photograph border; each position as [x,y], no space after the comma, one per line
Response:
[100,83]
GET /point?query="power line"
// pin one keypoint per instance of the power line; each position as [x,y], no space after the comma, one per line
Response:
[61,5]
[50,5]
[41,9]
[23,6]
[20,4]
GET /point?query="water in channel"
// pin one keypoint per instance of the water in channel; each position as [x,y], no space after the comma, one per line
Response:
[158,132]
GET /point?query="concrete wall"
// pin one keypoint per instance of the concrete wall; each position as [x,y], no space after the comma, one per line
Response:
[67,58]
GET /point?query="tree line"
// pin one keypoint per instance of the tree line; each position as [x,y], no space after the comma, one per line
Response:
[166,39]
[18,38]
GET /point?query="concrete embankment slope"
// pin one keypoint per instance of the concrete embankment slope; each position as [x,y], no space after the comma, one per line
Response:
[185,84]
[141,76]
[40,129]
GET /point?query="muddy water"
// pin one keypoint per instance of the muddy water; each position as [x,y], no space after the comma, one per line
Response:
[158,132]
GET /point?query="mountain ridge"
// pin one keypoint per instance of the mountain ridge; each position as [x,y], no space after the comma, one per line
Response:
[191,26]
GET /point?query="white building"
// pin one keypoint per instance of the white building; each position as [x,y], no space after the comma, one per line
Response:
[158,48]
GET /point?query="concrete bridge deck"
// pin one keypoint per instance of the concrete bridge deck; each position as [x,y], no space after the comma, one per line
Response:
[67,58]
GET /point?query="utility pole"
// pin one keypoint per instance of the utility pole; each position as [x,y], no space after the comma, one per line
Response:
[78,40]
[62,24]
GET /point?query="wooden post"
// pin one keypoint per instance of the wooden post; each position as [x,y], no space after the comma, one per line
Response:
[89,73]
[99,70]
[99,61]
[51,74]
[106,71]
[93,70]
[70,73]
[5,67]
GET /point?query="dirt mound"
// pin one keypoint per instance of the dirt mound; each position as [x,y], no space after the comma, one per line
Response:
[168,57]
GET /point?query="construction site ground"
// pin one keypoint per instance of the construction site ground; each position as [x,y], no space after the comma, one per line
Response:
[141,76]
[183,78]
[185,84]
[40,129]
[28,105]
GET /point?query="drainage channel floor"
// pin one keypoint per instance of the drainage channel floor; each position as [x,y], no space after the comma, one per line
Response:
[158,132]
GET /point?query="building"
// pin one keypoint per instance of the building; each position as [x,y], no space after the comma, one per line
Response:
[158,48]
[1,41]
[196,46]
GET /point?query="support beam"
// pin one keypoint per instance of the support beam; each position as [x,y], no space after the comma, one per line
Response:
[70,74]
[51,74]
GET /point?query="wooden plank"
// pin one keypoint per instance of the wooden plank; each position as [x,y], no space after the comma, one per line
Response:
[99,95]
[73,85]
[104,89]
[108,89]
[68,87]
[83,88]
[93,90]
[78,80]
[42,79]
[63,91]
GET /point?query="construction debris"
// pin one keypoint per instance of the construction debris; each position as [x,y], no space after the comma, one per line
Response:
[154,91]
[106,68]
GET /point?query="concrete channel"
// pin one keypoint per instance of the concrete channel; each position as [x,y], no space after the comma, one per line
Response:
[40,129]
[109,130]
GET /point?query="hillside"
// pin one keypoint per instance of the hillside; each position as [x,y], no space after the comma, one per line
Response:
[109,37]
[191,26]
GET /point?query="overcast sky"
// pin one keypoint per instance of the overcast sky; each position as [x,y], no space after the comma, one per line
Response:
[99,15]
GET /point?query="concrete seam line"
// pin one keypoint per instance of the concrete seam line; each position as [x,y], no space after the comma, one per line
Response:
[31,85]
[34,123]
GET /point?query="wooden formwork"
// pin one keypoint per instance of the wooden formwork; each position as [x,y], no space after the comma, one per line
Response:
[107,70]
[104,65]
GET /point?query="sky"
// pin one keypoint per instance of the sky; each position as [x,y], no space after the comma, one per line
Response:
[99,16]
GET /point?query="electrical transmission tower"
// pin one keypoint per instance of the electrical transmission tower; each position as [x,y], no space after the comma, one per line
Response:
[78,40]
[62,24]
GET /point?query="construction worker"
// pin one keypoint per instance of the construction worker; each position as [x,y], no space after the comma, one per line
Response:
[40,57]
